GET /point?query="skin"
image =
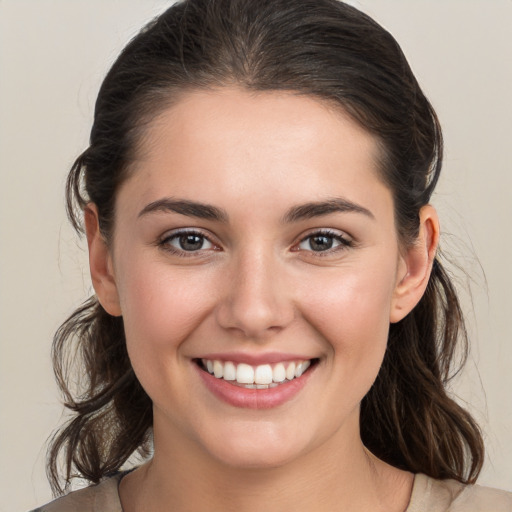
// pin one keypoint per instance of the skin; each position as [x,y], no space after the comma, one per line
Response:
[257,286]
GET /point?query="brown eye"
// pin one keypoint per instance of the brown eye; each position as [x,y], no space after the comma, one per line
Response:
[323,242]
[187,242]
[191,242]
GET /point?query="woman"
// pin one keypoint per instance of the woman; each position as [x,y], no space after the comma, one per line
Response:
[270,318]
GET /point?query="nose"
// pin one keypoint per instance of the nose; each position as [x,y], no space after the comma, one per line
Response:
[256,301]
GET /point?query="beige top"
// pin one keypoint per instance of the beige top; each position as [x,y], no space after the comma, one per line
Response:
[428,495]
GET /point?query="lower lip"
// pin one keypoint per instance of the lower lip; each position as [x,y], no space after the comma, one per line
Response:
[254,398]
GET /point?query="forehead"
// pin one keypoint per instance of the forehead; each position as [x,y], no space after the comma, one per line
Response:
[236,144]
[235,113]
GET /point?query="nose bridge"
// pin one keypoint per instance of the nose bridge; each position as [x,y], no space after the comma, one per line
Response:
[256,303]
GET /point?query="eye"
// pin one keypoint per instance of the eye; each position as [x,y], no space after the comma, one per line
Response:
[324,241]
[186,241]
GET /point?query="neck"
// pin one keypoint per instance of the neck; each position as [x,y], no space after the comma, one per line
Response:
[342,477]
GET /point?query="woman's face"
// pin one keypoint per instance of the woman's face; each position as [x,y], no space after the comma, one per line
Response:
[255,235]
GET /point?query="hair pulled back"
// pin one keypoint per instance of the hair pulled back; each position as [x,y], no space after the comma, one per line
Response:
[325,49]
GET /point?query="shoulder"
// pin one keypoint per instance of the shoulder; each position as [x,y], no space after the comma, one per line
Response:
[103,497]
[451,496]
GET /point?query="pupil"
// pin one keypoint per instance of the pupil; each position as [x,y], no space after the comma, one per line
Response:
[191,242]
[321,243]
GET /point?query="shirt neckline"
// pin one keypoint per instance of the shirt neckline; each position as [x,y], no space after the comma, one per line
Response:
[421,487]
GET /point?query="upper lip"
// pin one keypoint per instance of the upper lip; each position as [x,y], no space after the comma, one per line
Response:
[255,359]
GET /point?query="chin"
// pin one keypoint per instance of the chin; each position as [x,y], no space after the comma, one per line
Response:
[253,458]
[255,447]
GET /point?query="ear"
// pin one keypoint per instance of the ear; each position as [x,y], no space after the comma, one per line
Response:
[415,266]
[100,263]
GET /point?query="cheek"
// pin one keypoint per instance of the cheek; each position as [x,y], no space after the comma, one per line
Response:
[350,309]
[161,308]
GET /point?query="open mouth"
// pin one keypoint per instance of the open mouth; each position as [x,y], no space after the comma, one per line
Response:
[264,376]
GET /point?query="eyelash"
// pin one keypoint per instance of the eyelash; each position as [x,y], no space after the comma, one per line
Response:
[344,243]
[165,243]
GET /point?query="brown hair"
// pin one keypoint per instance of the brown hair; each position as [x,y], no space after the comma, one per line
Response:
[325,49]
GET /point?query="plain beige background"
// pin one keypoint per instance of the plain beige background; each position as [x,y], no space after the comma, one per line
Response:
[53,55]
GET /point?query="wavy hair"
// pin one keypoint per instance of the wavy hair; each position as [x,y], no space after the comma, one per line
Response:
[320,48]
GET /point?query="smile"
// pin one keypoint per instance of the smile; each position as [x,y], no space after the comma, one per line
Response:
[262,376]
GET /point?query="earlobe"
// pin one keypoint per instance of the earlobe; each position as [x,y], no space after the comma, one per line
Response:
[100,263]
[416,265]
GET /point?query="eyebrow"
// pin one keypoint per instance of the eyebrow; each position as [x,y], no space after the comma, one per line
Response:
[294,214]
[320,208]
[184,207]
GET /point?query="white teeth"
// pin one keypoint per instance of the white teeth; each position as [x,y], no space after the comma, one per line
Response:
[218,369]
[229,371]
[260,386]
[301,368]
[244,374]
[263,376]
[279,373]
[290,371]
